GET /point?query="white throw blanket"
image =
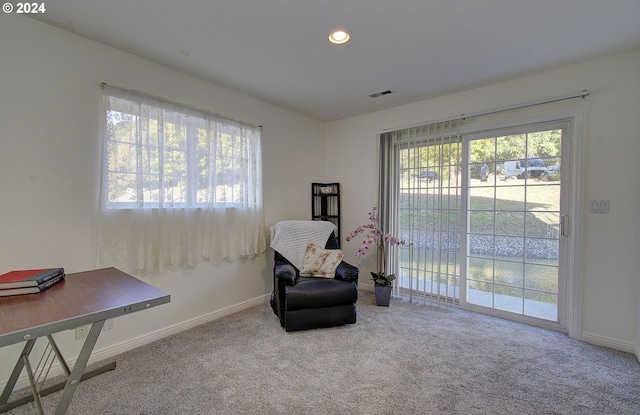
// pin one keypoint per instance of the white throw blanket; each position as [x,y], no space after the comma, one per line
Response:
[291,237]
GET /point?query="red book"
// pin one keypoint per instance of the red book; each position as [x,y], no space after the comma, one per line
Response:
[32,290]
[28,277]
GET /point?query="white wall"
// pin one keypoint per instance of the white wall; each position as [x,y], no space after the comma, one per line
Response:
[49,171]
[611,243]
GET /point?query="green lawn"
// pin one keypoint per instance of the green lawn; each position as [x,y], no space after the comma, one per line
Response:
[537,206]
[509,209]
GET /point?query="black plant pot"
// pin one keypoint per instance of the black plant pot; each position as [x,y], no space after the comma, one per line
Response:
[383,295]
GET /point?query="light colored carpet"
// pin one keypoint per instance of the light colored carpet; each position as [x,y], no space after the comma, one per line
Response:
[405,359]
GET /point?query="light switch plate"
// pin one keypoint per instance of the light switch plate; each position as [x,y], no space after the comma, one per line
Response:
[599,206]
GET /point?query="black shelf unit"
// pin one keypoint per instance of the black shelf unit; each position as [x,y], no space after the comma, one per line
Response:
[325,203]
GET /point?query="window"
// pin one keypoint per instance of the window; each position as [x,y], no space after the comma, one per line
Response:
[158,157]
[178,185]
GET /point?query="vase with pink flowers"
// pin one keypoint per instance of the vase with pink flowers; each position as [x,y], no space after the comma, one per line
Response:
[375,240]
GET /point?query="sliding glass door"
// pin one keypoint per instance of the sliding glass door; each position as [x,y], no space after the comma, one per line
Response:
[515,212]
[484,212]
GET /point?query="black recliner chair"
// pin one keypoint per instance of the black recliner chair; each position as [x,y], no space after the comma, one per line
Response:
[303,303]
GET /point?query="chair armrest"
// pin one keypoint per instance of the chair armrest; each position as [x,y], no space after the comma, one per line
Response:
[347,271]
[286,273]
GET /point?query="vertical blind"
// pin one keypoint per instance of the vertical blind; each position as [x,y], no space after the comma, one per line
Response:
[420,201]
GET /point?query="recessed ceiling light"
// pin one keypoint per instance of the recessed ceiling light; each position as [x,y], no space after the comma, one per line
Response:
[339,37]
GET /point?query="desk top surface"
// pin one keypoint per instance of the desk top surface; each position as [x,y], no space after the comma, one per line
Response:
[79,299]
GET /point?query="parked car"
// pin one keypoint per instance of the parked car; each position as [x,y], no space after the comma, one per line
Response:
[524,168]
[429,176]
[552,173]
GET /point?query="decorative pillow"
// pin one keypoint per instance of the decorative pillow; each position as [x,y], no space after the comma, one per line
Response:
[320,262]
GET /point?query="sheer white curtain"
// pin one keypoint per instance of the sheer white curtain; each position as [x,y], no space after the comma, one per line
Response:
[179,186]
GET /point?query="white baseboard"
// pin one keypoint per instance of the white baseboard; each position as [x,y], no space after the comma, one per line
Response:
[176,328]
[116,349]
[611,343]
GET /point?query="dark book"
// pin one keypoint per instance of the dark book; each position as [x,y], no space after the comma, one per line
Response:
[28,277]
[32,290]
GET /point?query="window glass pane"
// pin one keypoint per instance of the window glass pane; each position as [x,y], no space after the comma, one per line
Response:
[543,224]
[542,251]
[511,147]
[544,144]
[509,273]
[480,293]
[481,222]
[481,198]
[481,269]
[540,277]
[540,304]
[510,247]
[510,223]
[174,162]
[508,299]
[510,198]
[481,151]
[543,196]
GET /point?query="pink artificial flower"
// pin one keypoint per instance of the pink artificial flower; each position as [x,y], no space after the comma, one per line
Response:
[373,236]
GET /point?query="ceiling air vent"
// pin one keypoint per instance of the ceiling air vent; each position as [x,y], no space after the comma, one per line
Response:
[379,94]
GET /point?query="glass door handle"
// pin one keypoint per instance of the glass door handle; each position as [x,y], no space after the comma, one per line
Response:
[564,225]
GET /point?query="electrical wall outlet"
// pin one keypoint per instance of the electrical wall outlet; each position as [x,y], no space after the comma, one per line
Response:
[82,332]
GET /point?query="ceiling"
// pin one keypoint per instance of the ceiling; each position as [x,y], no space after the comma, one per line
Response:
[278,51]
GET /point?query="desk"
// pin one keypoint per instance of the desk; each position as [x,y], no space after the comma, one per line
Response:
[81,299]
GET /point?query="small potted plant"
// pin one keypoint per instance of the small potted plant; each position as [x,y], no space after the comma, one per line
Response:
[373,236]
[383,284]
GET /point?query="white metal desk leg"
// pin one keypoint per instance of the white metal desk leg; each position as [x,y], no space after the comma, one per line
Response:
[78,368]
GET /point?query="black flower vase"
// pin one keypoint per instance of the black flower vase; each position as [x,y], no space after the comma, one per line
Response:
[383,295]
